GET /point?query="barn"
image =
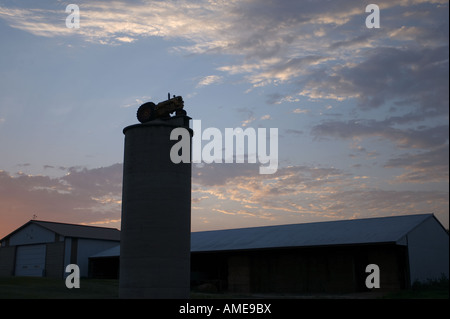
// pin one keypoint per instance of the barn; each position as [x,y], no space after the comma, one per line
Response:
[323,256]
[312,257]
[43,249]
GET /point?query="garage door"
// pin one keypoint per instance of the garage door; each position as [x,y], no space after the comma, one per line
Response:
[30,260]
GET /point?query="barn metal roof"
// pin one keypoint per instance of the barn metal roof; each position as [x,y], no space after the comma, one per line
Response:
[73,230]
[80,231]
[111,252]
[357,231]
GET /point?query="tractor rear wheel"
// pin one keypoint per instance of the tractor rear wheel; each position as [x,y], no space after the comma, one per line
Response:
[146,112]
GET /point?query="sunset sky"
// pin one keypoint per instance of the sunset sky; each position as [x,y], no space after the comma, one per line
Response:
[362,114]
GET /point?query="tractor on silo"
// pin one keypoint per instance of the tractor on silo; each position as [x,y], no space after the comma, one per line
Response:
[150,111]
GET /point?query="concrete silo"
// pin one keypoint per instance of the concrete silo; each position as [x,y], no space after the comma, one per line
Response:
[156,210]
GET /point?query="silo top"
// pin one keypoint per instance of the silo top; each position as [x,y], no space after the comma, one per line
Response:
[174,121]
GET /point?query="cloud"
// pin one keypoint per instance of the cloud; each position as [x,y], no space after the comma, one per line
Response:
[304,193]
[125,39]
[423,137]
[249,115]
[37,21]
[83,195]
[283,71]
[219,174]
[409,77]
[225,193]
[423,167]
[359,41]
[277,98]
[310,43]
[427,157]
[135,101]
[208,80]
[300,111]
[295,132]
[115,22]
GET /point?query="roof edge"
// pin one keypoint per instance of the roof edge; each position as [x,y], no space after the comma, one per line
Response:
[70,224]
[426,216]
[41,223]
[16,230]
[296,247]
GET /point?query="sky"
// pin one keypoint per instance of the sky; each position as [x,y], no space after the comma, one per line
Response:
[362,113]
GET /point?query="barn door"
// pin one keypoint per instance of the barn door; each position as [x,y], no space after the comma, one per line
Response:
[30,260]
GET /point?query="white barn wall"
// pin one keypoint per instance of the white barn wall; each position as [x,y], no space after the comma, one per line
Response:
[85,249]
[89,247]
[32,234]
[428,250]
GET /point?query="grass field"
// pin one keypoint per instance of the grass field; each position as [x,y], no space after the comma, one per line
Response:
[433,289]
[49,288]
